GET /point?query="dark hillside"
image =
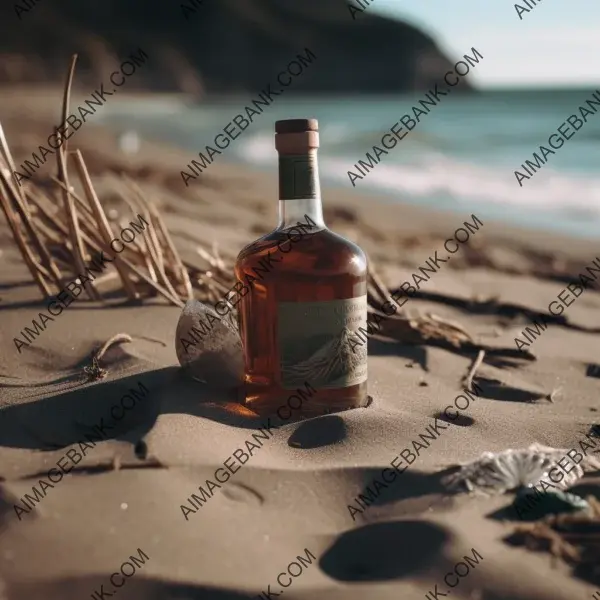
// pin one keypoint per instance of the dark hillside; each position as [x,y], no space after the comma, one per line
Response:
[218,46]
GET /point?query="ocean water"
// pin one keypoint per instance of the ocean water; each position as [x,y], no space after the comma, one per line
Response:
[460,157]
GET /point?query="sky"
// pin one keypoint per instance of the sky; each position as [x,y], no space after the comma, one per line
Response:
[556,44]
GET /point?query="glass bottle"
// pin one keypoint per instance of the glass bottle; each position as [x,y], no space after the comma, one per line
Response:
[305,296]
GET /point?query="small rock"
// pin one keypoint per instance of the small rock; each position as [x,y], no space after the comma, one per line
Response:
[208,346]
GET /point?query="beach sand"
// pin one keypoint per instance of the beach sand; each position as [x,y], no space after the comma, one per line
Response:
[293,494]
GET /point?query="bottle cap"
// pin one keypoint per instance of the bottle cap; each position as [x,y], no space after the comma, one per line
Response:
[296,136]
[296,125]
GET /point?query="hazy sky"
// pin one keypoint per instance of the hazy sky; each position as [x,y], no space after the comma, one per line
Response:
[556,44]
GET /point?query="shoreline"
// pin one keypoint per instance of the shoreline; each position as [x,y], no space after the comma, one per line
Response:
[45,104]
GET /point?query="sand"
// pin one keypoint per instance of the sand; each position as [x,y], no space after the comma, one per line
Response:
[126,492]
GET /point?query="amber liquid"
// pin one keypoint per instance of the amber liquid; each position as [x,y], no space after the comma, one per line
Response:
[320,266]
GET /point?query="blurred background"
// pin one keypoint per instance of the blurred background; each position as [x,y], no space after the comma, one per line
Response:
[207,59]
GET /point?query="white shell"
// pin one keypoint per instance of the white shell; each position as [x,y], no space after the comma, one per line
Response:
[209,349]
[510,469]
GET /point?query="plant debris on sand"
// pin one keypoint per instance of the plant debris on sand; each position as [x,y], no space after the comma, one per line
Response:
[574,538]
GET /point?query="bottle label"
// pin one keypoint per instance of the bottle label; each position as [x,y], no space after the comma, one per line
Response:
[297,176]
[320,343]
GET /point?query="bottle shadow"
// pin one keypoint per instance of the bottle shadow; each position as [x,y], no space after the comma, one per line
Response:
[126,409]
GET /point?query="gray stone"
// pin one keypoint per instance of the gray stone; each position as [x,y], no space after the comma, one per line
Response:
[209,346]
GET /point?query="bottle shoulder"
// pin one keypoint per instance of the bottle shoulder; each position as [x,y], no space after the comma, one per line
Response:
[324,249]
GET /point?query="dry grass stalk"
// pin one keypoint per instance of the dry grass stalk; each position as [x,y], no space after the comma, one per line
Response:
[162,239]
[172,254]
[468,382]
[13,223]
[151,243]
[69,205]
[20,203]
[69,232]
[101,220]
[146,250]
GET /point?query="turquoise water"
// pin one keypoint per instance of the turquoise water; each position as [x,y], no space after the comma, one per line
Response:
[461,156]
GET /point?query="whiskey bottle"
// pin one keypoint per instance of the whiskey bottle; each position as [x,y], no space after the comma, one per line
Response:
[306,297]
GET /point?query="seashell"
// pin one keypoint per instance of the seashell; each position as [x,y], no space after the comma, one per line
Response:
[208,346]
[499,472]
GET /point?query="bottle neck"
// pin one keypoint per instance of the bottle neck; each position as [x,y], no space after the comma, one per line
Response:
[299,189]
